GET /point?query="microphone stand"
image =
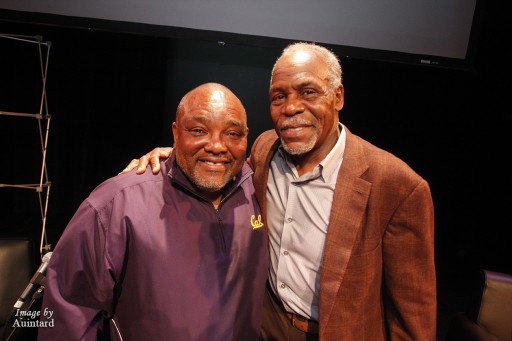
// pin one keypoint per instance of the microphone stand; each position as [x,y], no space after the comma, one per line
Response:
[18,313]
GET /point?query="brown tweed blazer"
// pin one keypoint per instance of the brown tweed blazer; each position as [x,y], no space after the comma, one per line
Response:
[377,278]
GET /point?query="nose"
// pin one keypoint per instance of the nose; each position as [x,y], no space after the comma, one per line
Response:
[216,144]
[293,105]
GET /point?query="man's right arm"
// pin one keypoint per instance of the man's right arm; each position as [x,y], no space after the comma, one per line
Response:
[79,283]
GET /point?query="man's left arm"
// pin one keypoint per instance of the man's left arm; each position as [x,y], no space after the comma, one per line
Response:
[409,268]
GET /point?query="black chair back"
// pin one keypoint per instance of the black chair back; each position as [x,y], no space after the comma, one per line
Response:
[17,264]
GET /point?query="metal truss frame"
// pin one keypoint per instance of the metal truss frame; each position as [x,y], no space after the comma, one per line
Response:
[43,119]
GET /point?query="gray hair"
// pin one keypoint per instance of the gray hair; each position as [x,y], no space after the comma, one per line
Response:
[335,74]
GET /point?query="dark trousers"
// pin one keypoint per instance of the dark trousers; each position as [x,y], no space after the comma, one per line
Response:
[276,326]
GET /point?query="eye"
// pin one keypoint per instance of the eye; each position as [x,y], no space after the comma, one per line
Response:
[277,99]
[309,93]
[197,131]
[234,134]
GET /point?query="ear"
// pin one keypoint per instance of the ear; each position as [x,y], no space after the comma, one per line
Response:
[175,131]
[340,97]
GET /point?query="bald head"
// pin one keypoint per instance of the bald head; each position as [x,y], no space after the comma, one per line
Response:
[213,94]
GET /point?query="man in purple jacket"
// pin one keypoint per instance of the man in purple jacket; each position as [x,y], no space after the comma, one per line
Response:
[181,255]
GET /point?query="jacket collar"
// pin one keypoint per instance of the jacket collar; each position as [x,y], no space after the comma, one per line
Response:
[178,177]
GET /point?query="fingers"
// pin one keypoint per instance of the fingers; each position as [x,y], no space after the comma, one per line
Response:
[142,164]
[155,155]
[130,166]
[152,158]
[155,164]
[162,152]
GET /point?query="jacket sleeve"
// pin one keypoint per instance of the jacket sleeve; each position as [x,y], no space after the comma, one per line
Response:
[260,149]
[409,269]
[79,287]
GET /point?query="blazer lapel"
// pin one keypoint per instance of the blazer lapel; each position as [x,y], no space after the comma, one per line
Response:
[349,204]
[262,171]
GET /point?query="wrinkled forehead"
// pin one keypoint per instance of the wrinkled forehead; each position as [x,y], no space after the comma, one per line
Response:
[215,117]
[227,113]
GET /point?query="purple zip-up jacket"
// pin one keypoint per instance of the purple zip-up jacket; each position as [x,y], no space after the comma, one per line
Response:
[152,254]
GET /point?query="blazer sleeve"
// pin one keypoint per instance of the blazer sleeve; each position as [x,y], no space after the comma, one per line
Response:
[409,269]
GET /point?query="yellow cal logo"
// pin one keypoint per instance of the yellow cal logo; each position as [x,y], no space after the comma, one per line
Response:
[256,223]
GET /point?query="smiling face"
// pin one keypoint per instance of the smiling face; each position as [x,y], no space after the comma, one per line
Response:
[210,137]
[303,105]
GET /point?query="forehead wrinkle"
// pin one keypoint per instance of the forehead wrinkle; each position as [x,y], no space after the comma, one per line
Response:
[231,121]
[188,117]
[205,120]
[236,123]
[304,84]
[300,85]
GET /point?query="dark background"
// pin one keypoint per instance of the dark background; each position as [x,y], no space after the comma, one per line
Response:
[112,97]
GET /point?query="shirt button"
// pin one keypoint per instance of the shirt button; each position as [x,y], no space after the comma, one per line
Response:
[283,285]
[290,220]
[285,253]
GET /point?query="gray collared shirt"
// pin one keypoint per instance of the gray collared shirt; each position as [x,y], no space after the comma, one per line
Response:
[298,210]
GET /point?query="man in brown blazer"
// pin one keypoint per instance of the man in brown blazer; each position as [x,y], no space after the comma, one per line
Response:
[375,279]
[351,226]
